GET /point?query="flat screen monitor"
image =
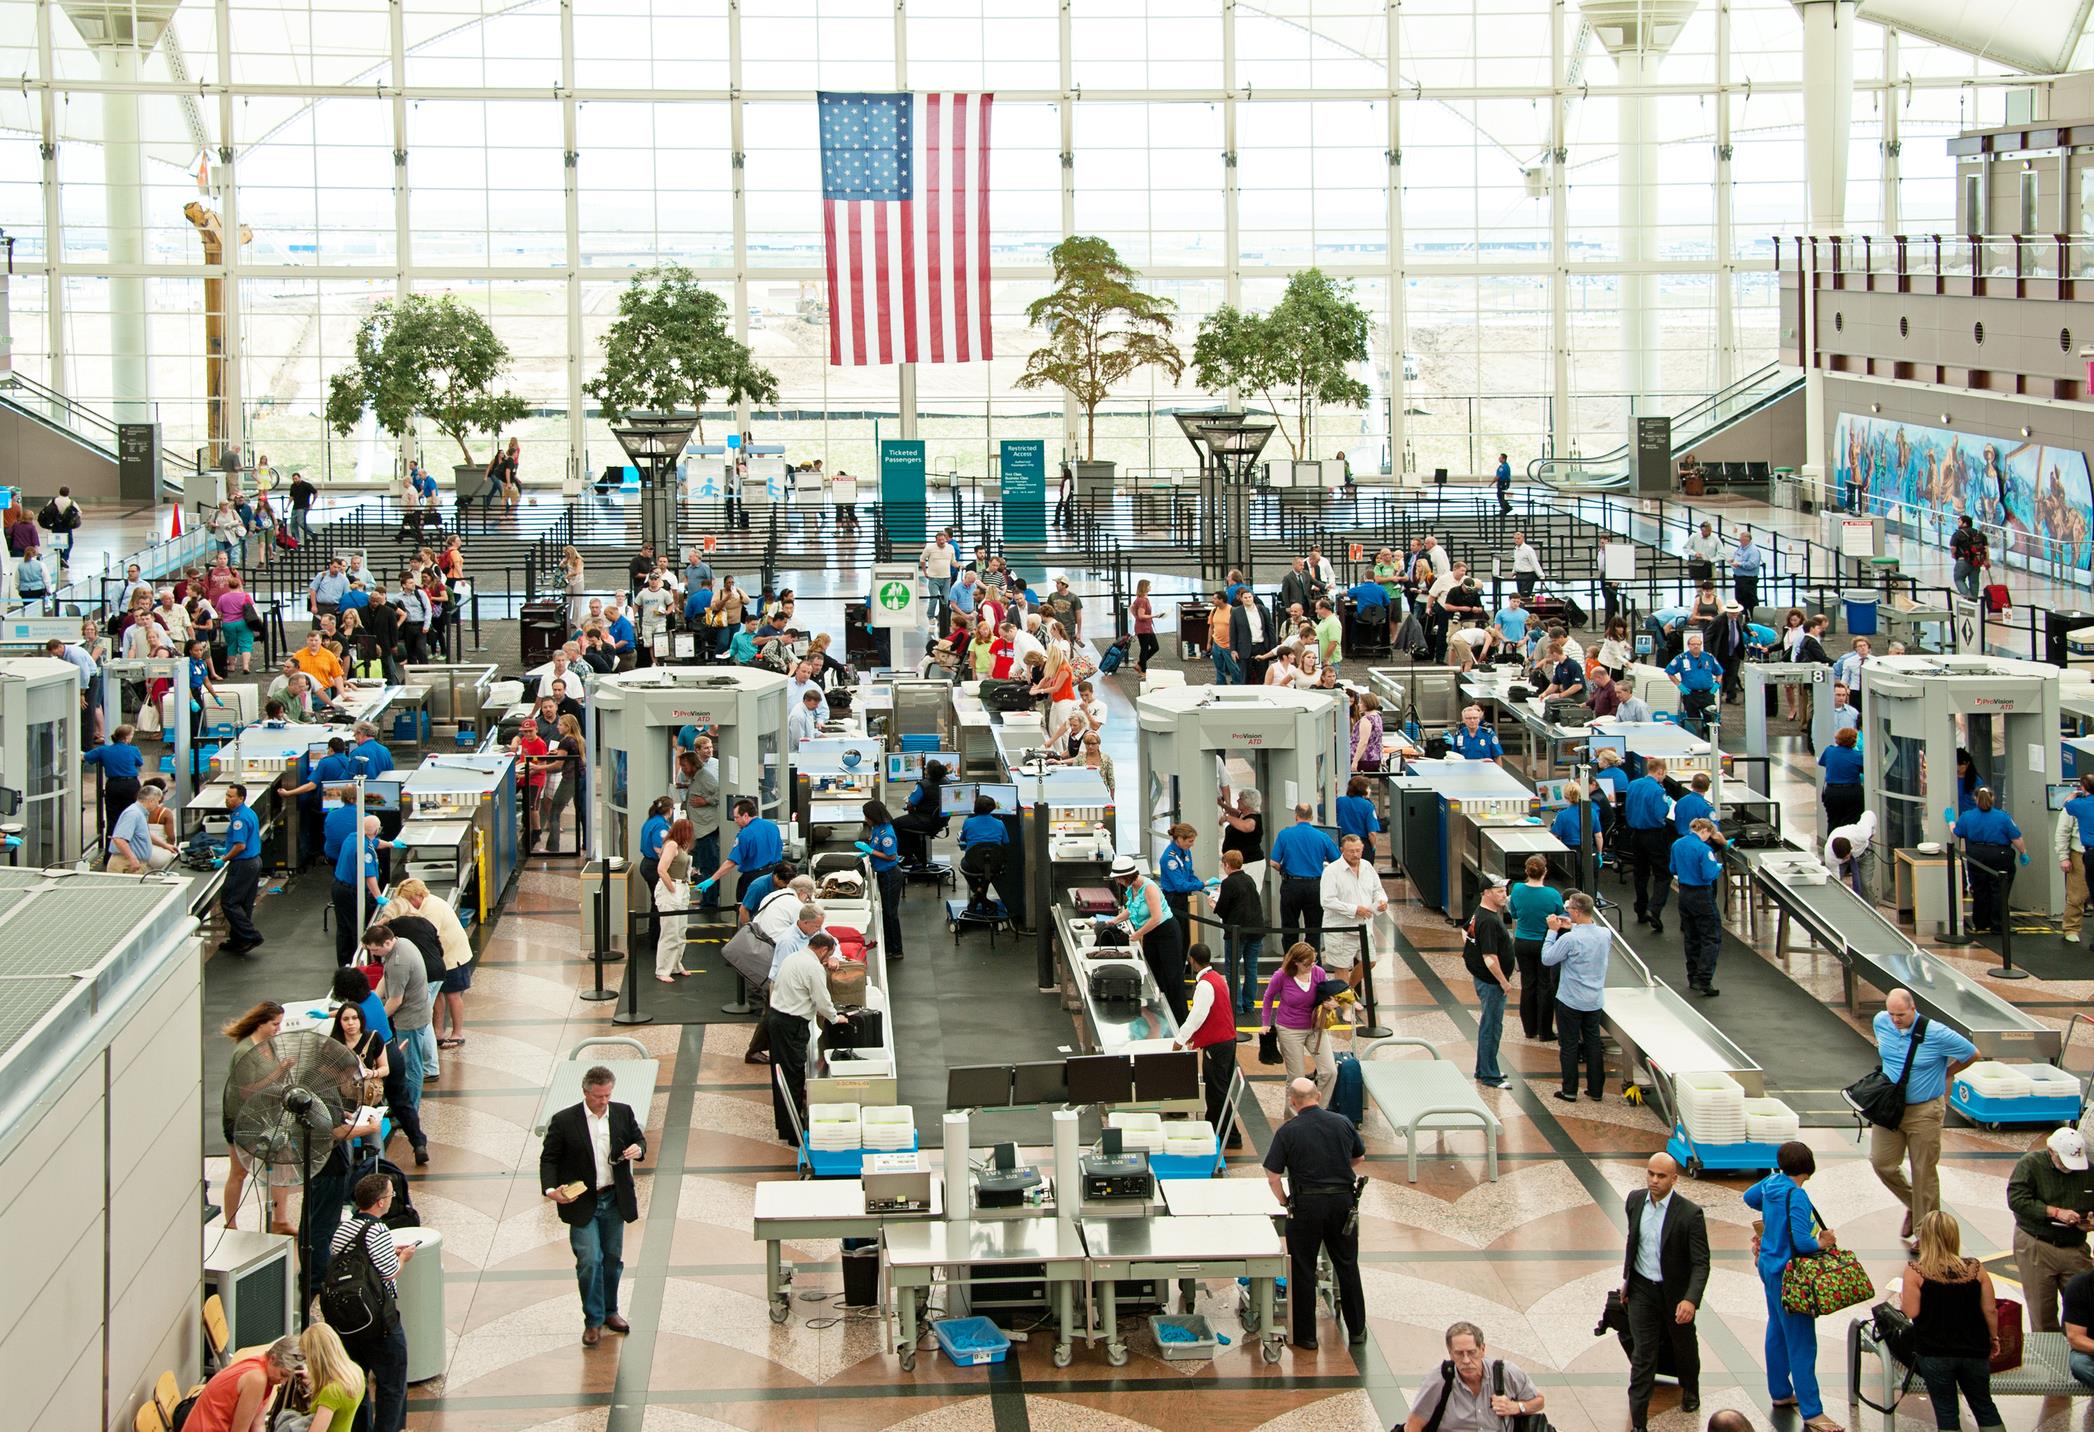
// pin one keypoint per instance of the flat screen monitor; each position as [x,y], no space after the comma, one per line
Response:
[1166,1076]
[1100,1079]
[978,1086]
[1005,796]
[316,750]
[1043,1083]
[908,765]
[956,798]
[382,794]
[2059,792]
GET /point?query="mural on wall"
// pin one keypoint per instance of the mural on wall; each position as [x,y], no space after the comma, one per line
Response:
[2034,502]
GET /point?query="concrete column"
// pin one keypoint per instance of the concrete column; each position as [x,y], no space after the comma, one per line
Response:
[1399,323]
[1892,144]
[123,185]
[1561,433]
[571,218]
[54,231]
[1828,108]
[1637,207]
[1726,241]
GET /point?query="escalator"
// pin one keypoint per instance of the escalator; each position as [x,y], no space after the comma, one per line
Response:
[89,436]
[1609,471]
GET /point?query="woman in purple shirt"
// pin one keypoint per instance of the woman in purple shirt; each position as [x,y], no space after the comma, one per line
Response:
[1367,735]
[1295,987]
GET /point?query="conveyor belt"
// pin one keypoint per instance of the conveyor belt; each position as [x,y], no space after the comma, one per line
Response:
[1808,1052]
[1879,954]
[1651,1021]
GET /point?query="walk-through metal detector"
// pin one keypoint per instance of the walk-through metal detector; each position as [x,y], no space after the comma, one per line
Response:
[40,757]
[636,718]
[1916,712]
[1759,678]
[1292,741]
[148,669]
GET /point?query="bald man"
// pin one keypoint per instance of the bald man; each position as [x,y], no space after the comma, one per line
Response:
[1319,1154]
[1936,1053]
[1664,1274]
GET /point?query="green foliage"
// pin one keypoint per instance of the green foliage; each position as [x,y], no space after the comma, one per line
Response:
[671,348]
[433,358]
[1100,328]
[1303,351]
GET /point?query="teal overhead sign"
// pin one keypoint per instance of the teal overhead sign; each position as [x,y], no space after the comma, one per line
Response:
[902,487]
[1024,490]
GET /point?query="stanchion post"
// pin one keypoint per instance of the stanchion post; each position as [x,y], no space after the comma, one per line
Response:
[2006,970]
[1954,933]
[600,924]
[1373,1028]
[631,1013]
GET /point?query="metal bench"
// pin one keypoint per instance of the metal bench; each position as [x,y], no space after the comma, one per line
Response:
[636,1078]
[2044,1370]
[1430,1096]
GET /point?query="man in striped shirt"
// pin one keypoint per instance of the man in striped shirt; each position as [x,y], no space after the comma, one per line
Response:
[383,1354]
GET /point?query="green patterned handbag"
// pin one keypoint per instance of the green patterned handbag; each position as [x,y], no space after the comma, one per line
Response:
[1818,1285]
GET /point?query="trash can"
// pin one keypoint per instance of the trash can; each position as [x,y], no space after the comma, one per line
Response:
[861,1277]
[1193,630]
[543,630]
[421,1302]
[1860,613]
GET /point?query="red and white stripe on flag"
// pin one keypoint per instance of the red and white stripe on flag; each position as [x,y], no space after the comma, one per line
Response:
[908,280]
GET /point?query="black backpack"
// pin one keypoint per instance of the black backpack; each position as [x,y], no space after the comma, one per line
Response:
[353,1296]
[402,1213]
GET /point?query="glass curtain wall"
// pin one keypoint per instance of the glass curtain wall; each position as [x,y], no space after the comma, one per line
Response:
[1463,163]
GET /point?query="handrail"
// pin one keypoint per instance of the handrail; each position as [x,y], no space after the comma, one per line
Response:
[73,416]
[1761,385]
[1936,256]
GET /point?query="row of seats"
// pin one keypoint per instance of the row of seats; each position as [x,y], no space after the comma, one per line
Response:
[158,1412]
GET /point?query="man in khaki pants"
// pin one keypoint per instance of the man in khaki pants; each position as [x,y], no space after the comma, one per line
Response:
[2075,834]
[1937,1055]
[2052,1196]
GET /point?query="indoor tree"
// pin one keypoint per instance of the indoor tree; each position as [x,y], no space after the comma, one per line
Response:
[429,357]
[1100,329]
[671,349]
[1303,351]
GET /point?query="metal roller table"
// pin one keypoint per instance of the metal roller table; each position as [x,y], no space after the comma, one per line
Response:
[1649,1019]
[818,1208]
[1113,1027]
[1870,948]
[636,1072]
[1221,1246]
[917,1250]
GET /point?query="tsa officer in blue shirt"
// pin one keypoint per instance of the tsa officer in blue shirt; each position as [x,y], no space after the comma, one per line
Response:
[1992,844]
[1300,852]
[359,854]
[1174,873]
[1697,865]
[1647,811]
[2074,839]
[1356,815]
[372,758]
[1936,1057]
[1841,762]
[1694,805]
[756,849]
[241,855]
[653,831]
[1472,740]
[120,761]
[883,848]
[984,827]
[1569,822]
[340,822]
[1697,675]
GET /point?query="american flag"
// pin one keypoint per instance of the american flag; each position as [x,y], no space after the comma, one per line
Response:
[908,273]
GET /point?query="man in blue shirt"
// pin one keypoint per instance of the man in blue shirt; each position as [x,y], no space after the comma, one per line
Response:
[1661,624]
[325,592]
[1578,949]
[756,849]
[620,629]
[964,594]
[339,823]
[1510,624]
[1472,740]
[1357,816]
[699,598]
[241,855]
[135,843]
[1174,873]
[120,761]
[753,895]
[1299,853]
[370,757]
[1502,477]
[1697,866]
[1697,675]
[2075,837]
[984,827]
[1846,716]
[696,570]
[355,599]
[1937,1055]
[1694,805]
[1647,811]
[1992,845]
[1367,594]
[357,857]
[1745,566]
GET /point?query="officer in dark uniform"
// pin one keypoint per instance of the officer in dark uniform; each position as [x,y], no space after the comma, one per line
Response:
[1320,1154]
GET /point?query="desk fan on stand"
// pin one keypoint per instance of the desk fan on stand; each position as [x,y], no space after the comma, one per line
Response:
[283,1127]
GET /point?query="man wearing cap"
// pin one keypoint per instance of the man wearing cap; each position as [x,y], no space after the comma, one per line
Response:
[2051,1194]
[1067,608]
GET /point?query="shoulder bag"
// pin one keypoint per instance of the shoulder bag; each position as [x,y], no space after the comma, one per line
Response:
[1817,1285]
[1875,1097]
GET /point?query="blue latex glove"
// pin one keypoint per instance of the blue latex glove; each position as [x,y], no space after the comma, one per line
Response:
[382,902]
[708,884]
[1948,813]
[2024,857]
[861,847]
[399,845]
[218,862]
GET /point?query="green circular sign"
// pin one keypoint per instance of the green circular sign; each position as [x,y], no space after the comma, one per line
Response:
[895,596]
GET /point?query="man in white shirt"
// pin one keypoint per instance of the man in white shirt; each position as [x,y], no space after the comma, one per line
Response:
[1437,555]
[1846,847]
[1024,643]
[1704,549]
[1351,895]
[1447,581]
[1847,670]
[799,996]
[1633,708]
[807,923]
[595,1144]
[561,668]
[800,681]
[1526,565]
[805,723]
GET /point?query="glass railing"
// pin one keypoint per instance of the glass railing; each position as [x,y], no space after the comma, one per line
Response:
[95,429]
[1689,426]
[1845,257]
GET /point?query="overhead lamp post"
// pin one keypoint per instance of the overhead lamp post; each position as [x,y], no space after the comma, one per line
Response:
[1234,445]
[653,443]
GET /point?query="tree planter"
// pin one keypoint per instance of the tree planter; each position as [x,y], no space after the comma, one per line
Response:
[1094,478]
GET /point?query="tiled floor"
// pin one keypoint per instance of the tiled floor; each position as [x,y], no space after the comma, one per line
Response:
[1528,1258]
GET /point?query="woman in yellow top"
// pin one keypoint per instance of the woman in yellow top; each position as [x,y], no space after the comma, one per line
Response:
[336,1381]
[413,898]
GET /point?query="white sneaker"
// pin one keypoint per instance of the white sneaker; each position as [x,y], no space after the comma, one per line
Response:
[2073,938]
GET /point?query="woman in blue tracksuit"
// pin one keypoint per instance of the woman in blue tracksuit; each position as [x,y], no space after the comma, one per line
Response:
[1789,1226]
[883,848]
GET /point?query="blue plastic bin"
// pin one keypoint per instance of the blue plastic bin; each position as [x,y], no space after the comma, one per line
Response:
[1861,614]
[971,1342]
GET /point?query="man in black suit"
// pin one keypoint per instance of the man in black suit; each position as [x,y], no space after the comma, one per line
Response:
[1663,1276]
[1251,632]
[594,1144]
